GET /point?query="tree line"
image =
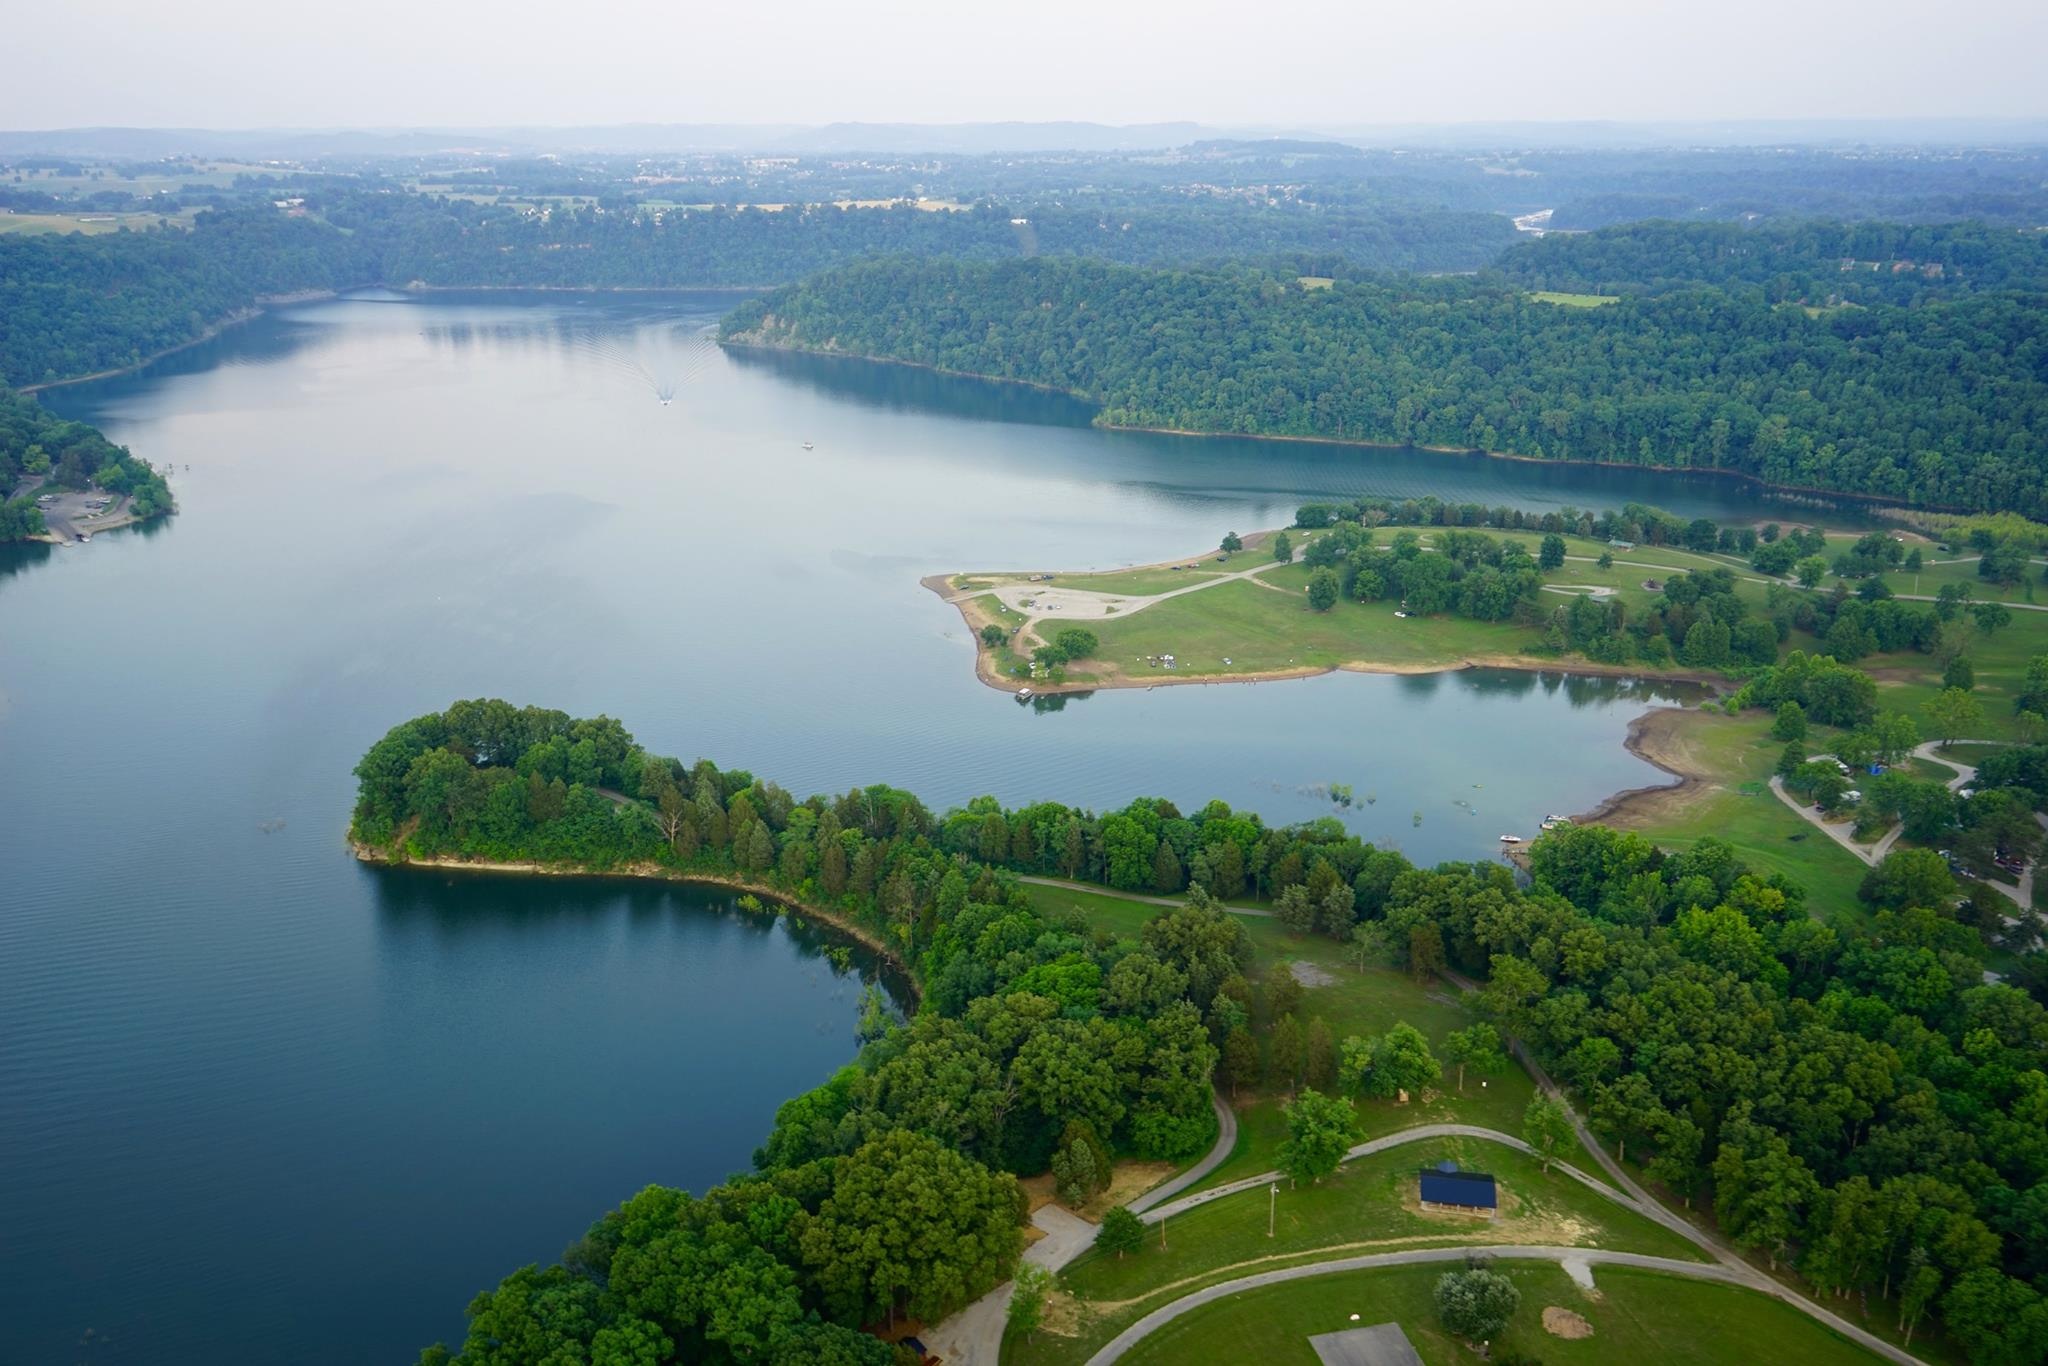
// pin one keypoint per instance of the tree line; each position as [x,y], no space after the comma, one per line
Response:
[1812,262]
[889,1189]
[1854,1099]
[1936,404]
[77,304]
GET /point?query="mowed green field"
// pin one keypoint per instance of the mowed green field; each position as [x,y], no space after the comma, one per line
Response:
[1636,1316]
[1370,1205]
[91,224]
[1552,296]
[1374,1200]
[1735,804]
[1266,625]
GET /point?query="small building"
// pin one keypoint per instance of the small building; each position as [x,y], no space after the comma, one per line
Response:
[1621,545]
[1383,1344]
[1448,1190]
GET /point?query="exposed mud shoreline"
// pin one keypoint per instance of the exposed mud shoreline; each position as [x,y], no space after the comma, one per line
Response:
[1652,737]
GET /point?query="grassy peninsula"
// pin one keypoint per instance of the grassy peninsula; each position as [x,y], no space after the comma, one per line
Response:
[1086,978]
[1927,641]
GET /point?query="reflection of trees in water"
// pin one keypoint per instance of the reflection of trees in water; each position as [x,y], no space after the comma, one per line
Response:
[456,906]
[1578,690]
[1051,702]
[877,384]
[18,557]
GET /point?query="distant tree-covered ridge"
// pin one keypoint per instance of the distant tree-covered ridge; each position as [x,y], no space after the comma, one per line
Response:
[76,305]
[1817,263]
[1854,1099]
[69,455]
[1940,404]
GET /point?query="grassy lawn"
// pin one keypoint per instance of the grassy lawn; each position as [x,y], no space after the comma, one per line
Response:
[1259,629]
[1315,281]
[1735,804]
[91,224]
[1146,582]
[1373,1201]
[1551,296]
[1906,681]
[1267,626]
[1370,1206]
[1636,1316]
[1119,915]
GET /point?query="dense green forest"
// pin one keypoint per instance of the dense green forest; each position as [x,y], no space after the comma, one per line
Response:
[72,305]
[1938,405]
[70,455]
[1852,1098]
[1816,263]
[75,305]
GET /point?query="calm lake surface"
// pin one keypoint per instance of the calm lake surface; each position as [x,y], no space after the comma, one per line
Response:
[261,1103]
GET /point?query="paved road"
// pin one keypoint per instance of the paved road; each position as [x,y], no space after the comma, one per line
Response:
[1219,1152]
[974,1336]
[2021,895]
[1705,1271]
[1838,831]
[1418,1134]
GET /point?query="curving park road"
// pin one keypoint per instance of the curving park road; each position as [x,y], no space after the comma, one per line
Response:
[1727,1267]
[1418,1134]
[1576,1256]
[974,1336]
[1219,1152]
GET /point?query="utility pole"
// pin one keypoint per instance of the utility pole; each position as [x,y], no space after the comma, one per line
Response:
[1272,1206]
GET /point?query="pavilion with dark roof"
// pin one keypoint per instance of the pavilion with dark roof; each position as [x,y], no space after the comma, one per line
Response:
[1446,1188]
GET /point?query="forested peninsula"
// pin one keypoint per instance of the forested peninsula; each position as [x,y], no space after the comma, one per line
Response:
[1849,1098]
[75,305]
[1932,394]
[41,452]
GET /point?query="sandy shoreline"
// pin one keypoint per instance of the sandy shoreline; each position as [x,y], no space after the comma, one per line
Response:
[653,872]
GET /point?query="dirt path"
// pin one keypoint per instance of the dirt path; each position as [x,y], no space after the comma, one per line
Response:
[1132,896]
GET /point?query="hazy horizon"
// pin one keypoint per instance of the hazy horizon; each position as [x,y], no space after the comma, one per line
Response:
[238,64]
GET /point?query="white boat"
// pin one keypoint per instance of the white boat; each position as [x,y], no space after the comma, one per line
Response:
[807,445]
[1510,839]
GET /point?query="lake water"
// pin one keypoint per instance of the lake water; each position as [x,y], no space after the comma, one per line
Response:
[261,1103]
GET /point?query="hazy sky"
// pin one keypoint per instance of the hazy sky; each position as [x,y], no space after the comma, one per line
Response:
[381,63]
